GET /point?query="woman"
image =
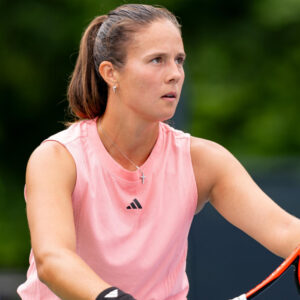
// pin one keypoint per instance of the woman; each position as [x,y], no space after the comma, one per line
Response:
[110,200]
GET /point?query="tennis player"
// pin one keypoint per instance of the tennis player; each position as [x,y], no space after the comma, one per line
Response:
[110,200]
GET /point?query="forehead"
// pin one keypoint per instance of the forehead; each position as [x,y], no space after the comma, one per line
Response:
[159,36]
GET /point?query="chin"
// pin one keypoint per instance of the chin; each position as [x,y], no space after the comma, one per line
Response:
[161,116]
[167,117]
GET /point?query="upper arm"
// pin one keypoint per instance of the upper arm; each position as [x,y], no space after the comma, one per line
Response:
[238,198]
[50,180]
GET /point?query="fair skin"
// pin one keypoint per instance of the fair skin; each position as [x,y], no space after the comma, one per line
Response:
[153,68]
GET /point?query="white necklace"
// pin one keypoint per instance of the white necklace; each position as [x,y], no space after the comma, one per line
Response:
[142,177]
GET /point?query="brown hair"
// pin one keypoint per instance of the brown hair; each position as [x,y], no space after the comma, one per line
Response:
[106,39]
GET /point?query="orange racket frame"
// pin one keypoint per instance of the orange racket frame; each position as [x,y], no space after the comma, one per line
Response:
[293,259]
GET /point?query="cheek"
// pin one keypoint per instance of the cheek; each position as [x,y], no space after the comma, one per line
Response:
[141,77]
[145,80]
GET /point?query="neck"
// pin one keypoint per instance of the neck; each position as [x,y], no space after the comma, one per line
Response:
[128,142]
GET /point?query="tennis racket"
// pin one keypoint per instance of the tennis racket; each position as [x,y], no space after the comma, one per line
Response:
[291,262]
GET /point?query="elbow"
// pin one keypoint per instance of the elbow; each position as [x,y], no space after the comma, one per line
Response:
[293,235]
[289,237]
[45,265]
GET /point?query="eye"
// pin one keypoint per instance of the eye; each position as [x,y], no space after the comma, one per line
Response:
[156,60]
[180,60]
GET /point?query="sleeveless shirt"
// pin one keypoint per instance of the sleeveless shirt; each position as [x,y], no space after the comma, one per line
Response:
[133,235]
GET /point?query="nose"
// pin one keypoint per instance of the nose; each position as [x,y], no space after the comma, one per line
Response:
[174,72]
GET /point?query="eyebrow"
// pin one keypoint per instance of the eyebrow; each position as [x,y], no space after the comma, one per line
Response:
[181,54]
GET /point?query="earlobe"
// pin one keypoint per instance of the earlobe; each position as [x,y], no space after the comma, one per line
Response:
[107,72]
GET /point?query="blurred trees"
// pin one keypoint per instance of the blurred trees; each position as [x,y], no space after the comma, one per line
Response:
[242,78]
[244,63]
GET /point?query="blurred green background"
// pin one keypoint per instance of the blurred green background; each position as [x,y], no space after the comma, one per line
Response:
[241,89]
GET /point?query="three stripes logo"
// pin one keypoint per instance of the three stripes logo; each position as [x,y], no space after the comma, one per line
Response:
[135,204]
[112,294]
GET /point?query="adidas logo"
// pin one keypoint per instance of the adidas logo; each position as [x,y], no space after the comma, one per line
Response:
[112,294]
[135,204]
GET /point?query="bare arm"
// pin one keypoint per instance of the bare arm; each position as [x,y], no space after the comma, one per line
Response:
[50,180]
[239,200]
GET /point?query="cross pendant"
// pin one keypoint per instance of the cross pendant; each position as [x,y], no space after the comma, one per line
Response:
[143,177]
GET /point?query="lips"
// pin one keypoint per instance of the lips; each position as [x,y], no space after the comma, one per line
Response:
[170,96]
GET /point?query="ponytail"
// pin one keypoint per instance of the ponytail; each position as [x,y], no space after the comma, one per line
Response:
[107,39]
[87,91]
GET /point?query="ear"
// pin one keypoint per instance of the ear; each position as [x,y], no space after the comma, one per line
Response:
[108,73]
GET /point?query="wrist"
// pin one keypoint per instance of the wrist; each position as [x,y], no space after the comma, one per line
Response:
[114,293]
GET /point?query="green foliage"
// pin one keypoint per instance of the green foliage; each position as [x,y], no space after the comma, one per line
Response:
[15,241]
[244,75]
[276,13]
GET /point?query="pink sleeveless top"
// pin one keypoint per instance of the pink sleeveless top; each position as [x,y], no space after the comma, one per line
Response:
[133,235]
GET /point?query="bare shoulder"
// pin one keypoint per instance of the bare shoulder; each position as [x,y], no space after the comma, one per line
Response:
[200,144]
[51,161]
[213,158]
[50,149]
[210,161]
[206,152]
[49,154]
